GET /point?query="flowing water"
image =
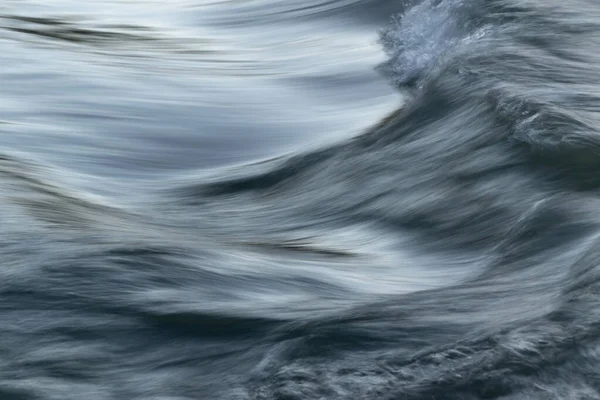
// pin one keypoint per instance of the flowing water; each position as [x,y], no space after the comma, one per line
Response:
[301,199]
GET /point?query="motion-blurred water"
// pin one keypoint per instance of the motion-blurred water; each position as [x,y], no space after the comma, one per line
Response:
[226,201]
[131,89]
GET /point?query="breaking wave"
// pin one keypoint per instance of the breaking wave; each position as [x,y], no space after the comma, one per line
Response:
[450,252]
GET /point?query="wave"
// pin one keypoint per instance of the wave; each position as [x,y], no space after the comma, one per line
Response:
[450,252]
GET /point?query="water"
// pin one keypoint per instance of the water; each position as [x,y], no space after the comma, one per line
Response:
[227,200]
[132,89]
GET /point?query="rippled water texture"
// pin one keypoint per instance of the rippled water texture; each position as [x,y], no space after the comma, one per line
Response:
[300,200]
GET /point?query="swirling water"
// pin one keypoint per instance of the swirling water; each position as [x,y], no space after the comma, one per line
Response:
[216,200]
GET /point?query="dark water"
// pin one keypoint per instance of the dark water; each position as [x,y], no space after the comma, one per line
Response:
[204,200]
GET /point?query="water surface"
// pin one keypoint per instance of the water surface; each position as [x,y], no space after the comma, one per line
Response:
[225,200]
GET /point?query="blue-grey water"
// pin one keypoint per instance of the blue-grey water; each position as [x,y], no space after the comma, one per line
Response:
[135,89]
[299,200]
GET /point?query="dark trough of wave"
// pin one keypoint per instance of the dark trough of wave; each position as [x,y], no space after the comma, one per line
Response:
[451,252]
